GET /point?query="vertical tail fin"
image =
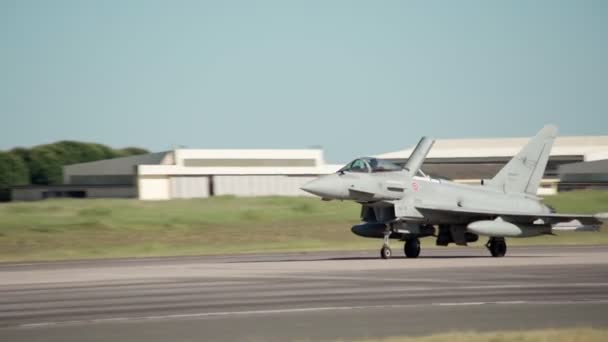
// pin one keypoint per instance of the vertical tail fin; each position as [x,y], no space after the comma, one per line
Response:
[524,172]
[414,162]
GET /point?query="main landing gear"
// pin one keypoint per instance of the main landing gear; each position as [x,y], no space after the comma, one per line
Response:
[411,248]
[497,247]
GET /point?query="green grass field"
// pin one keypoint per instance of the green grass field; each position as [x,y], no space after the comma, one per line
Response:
[74,229]
[553,335]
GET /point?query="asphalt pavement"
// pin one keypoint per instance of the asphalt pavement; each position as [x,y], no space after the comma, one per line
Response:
[303,296]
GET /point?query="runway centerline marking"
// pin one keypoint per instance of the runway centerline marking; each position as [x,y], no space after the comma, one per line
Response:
[462,304]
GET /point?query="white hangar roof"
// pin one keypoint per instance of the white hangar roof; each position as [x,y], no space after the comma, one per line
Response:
[590,147]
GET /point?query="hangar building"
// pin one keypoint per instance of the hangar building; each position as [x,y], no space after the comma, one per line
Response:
[584,175]
[471,160]
[197,173]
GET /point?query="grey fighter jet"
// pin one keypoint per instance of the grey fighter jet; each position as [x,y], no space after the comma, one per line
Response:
[402,203]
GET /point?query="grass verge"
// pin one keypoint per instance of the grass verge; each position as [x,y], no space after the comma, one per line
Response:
[75,229]
[553,335]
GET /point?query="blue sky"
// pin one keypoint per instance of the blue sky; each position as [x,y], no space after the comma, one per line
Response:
[355,77]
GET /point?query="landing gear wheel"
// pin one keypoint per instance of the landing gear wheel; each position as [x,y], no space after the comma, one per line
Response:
[497,247]
[412,248]
[385,252]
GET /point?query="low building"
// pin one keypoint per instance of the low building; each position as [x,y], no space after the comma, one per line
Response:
[471,160]
[40,192]
[584,175]
[197,173]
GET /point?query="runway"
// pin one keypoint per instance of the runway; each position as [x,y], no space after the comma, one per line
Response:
[303,296]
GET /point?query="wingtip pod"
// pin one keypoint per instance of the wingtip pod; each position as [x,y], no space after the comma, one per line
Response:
[575,225]
[603,217]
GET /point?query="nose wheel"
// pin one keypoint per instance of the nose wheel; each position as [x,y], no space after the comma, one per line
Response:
[385,252]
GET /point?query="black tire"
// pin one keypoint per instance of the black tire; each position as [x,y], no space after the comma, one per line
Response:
[385,252]
[411,248]
[498,248]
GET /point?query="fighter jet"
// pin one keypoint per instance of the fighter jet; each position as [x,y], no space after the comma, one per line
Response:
[405,204]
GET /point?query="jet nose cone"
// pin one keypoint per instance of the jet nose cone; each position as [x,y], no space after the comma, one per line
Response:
[325,187]
[314,187]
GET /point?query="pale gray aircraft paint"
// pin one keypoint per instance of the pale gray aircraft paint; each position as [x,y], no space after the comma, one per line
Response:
[403,203]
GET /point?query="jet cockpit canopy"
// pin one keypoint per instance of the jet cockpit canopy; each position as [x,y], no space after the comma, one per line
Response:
[367,165]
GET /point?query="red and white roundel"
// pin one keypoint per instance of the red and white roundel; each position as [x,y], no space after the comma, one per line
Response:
[414,186]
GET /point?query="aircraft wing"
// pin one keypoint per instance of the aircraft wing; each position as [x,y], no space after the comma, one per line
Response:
[512,216]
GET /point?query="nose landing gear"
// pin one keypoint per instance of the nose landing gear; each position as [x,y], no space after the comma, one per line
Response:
[385,251]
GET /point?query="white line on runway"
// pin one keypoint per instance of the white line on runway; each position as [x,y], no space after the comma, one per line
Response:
[462,304]
[301,310]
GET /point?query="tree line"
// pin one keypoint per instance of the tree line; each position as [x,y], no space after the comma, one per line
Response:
[43,164]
